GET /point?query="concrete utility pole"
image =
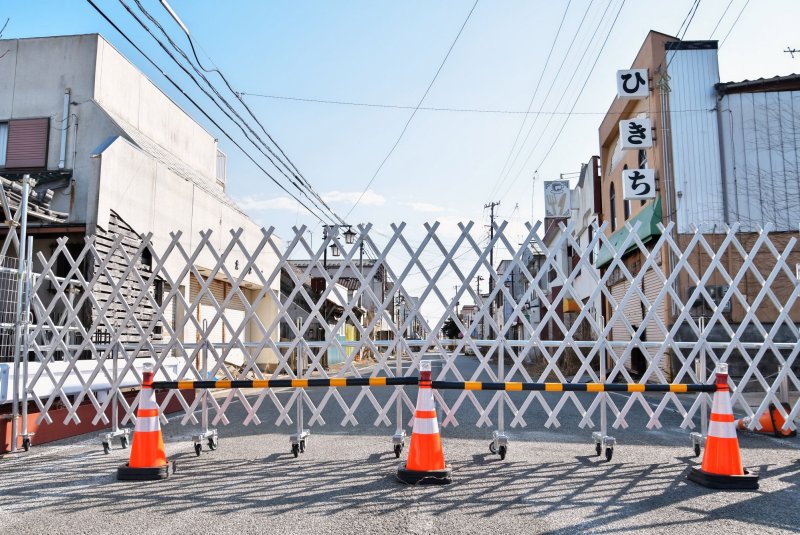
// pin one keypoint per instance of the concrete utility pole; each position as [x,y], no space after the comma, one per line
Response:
[491,206]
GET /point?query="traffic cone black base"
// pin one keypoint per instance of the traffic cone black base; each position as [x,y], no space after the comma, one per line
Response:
[427,477]
[126,473]
[749,481]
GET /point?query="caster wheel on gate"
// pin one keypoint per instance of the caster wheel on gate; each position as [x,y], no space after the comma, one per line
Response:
[598,448]
[212,444]
[198,448]
[502,451]
[106,448]
[397,449]
[492,449]
[123,441]
[26,444]
[609,453]
[295,449]
[697,450]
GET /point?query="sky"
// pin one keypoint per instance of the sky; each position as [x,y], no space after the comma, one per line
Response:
[448,164]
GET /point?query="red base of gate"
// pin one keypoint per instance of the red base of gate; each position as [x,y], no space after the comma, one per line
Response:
[57,430]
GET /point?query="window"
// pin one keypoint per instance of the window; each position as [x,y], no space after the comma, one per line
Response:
[612,200]
[222,167]
[26,146]
[591,237]
[3,143]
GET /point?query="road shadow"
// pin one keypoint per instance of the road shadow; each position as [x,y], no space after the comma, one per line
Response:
[601,495]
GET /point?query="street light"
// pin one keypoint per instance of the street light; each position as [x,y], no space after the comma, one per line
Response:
[349,236]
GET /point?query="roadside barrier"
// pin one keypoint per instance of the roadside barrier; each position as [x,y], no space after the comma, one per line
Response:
[148,459]
[336,382]
[425,464]
[721,466]
[333,382]
[722,461]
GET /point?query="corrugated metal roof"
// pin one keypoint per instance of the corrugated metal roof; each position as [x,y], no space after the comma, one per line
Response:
[789,82]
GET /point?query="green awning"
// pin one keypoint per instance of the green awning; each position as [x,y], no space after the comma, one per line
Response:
[648,218]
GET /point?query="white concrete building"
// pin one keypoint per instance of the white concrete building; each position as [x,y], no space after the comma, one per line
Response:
[121,156]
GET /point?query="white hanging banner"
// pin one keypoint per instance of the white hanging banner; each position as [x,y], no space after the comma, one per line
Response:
[557,198]
[633,84]
[639,184]
[636,134]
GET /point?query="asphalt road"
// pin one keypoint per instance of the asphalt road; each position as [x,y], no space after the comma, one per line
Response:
[345,482]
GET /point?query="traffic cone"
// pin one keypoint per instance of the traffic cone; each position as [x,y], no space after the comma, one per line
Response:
[148,460]
[771,422]
[425,464]
[722,462]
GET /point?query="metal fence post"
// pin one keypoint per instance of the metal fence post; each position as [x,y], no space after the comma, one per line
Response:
[698,439]
[18,336]
[209,435]
[399,438]
[601,438]
[499,442]
[114,392]
[300,437]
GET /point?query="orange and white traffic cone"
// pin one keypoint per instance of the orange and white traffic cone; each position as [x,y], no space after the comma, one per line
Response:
[148,460]
[771,422]
[722,462]
[425,464]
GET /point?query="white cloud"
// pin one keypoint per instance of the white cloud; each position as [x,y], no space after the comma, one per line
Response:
[370,197]
[258,203]
[424,207]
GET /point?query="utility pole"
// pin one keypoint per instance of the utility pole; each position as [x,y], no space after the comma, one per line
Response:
[491,206]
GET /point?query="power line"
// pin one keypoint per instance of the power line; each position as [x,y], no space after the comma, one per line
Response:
[536,90]
[734,23]
[238,96]
[442,108]
[241,123]
[196,105]
[563,95]
[411,117]
[499,184]
[720,19]
[585,83]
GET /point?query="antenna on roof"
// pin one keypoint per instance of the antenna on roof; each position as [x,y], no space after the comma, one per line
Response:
[791,51]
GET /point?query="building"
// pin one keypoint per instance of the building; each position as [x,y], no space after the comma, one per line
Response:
[118,156]
[721,154]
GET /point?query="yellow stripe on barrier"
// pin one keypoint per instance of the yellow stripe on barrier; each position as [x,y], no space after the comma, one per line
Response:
[223,384]
[678,388]
[299,383]
[554,387]
[185,385]
[338,381]
[595,387]
[635,387]
[260,383]
[473,385]
[513,386]
[377,381]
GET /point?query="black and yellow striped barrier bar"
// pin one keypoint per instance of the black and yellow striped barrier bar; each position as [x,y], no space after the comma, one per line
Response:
[334,382]
[288,383]
[677,388]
